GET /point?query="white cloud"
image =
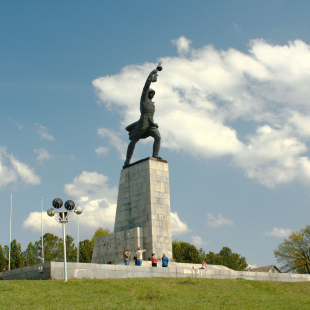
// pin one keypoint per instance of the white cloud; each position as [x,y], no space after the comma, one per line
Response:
[101,150]
[7,174]
[279,232]
[177,226]
[33,223]
[218,221]
[42,155]
[44,134]
[201,99]
[98,200]
[198,242]
[11,169]
[26,173]
[183,45]
[114,140]
[96,197]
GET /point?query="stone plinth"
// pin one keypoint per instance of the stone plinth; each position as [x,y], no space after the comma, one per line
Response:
[144,201]
[142,214]
[111,247]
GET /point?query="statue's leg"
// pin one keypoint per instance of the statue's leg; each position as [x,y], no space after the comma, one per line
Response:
[130,149]
[153,131]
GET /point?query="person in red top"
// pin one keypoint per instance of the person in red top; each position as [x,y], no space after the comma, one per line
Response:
[154,260]
[203,265]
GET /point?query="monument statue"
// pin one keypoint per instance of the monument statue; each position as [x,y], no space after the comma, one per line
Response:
[145,126]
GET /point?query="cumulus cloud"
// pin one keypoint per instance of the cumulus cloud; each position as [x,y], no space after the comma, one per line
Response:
[33,223]
[198,242]
[101,150]
[183,45]
[218,221]
[11,170]
[98,200]
[278,232]
[43,155]
[114,140]
[177,226]
[42,131]
[203,95]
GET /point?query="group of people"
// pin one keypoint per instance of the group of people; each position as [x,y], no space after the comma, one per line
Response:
[138,258]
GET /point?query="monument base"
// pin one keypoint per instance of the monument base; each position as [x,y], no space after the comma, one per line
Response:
[143,212]
[111,248]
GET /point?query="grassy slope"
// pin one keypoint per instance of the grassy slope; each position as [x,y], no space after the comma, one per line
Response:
[154,293]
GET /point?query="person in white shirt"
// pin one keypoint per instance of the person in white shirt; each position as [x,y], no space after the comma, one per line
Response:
[139,256]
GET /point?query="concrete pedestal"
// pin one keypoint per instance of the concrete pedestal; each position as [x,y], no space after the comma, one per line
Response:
[144,203]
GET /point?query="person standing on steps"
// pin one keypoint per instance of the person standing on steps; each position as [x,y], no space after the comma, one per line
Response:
[139,256]
[145,126]
[154,260]
[126,257]
[165,260]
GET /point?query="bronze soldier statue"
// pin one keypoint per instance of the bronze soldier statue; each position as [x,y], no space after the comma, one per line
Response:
[145,126]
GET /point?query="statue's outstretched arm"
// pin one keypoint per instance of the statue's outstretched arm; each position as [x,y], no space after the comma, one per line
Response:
[147,84]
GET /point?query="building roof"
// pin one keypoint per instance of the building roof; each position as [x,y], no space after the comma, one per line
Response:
[265,269]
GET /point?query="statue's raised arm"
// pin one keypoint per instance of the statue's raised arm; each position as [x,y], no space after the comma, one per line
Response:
[150,79]
[145,126]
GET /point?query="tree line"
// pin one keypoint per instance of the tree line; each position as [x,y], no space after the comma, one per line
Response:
[53,251]
[293,253]
[184,252]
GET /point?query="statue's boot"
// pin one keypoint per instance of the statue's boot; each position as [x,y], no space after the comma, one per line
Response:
[156,147]
[130,149]
[127,161]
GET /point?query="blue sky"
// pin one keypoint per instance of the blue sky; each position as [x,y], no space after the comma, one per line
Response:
[232,103]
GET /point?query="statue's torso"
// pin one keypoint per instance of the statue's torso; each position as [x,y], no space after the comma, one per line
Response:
[147,107]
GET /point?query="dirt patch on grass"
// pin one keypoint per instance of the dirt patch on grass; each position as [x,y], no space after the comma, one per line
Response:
[187,281]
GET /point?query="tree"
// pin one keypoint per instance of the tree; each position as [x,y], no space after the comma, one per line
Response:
[3,260]
[212,258]
[52,248]
[294,252]
[17,256]
[184,252]
[85,251]
[99,233]
[31,255]
[71,250]
[232,260]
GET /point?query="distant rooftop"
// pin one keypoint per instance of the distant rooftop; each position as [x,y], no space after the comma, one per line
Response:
[270,268]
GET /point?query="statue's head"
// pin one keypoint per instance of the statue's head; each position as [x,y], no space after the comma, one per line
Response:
[151,93]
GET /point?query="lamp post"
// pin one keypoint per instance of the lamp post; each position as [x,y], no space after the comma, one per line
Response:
[63,218]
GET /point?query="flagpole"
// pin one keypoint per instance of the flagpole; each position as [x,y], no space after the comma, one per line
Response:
[10,235]
[77,248]
[42,229]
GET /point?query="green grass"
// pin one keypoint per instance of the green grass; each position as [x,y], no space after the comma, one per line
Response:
[154,293]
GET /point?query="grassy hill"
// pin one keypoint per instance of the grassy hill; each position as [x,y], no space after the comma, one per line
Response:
[154,293]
